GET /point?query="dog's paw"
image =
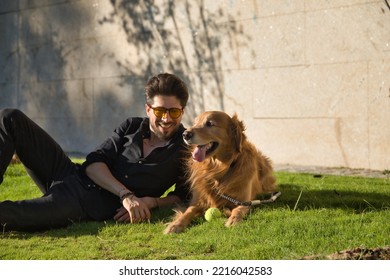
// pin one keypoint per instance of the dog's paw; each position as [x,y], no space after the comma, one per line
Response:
[233,220]
[173,228]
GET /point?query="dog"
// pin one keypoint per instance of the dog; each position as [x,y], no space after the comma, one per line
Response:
[224,170]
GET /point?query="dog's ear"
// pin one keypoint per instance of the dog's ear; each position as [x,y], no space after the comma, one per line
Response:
[237,132]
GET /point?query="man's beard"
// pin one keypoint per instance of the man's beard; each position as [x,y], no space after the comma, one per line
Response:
[164,135]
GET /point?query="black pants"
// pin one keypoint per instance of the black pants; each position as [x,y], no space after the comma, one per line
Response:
[65,198]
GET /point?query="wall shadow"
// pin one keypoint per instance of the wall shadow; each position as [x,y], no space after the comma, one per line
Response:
[51,47]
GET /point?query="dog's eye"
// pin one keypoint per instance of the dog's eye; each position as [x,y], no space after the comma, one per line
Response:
[209,124]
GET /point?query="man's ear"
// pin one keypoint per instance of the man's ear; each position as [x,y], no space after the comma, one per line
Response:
[147,108]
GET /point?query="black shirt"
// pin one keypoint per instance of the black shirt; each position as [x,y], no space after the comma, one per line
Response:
[145,176]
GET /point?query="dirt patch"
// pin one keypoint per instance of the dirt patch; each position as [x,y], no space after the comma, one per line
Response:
[362,254]
[356,254]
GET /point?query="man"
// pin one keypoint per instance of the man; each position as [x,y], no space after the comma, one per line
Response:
[123,178]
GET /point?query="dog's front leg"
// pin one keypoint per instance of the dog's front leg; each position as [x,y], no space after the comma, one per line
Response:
[182,220]
[237,215]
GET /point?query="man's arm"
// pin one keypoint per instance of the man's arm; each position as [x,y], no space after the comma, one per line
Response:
[137,209]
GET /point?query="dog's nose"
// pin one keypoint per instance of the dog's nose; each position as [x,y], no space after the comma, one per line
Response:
[187,135]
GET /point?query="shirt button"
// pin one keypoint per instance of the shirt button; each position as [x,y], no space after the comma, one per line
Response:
[126,176]
[140,161]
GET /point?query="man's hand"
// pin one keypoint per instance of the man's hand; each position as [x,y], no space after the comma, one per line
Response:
[135,209]
[122,215]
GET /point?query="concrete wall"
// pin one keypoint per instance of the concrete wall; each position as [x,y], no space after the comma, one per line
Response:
[310,78]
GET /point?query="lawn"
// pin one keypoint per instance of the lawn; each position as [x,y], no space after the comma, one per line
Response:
[317,215]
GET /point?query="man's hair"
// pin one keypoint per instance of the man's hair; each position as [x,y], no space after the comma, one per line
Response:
[168,85]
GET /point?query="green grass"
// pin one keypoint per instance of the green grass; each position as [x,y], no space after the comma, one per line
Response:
[315,216]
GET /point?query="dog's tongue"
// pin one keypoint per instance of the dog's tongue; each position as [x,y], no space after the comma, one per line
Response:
[199,154]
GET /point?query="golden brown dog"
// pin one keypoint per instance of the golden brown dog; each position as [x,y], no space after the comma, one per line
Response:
[224,165]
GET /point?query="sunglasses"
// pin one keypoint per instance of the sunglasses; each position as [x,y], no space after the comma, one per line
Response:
[160,112]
